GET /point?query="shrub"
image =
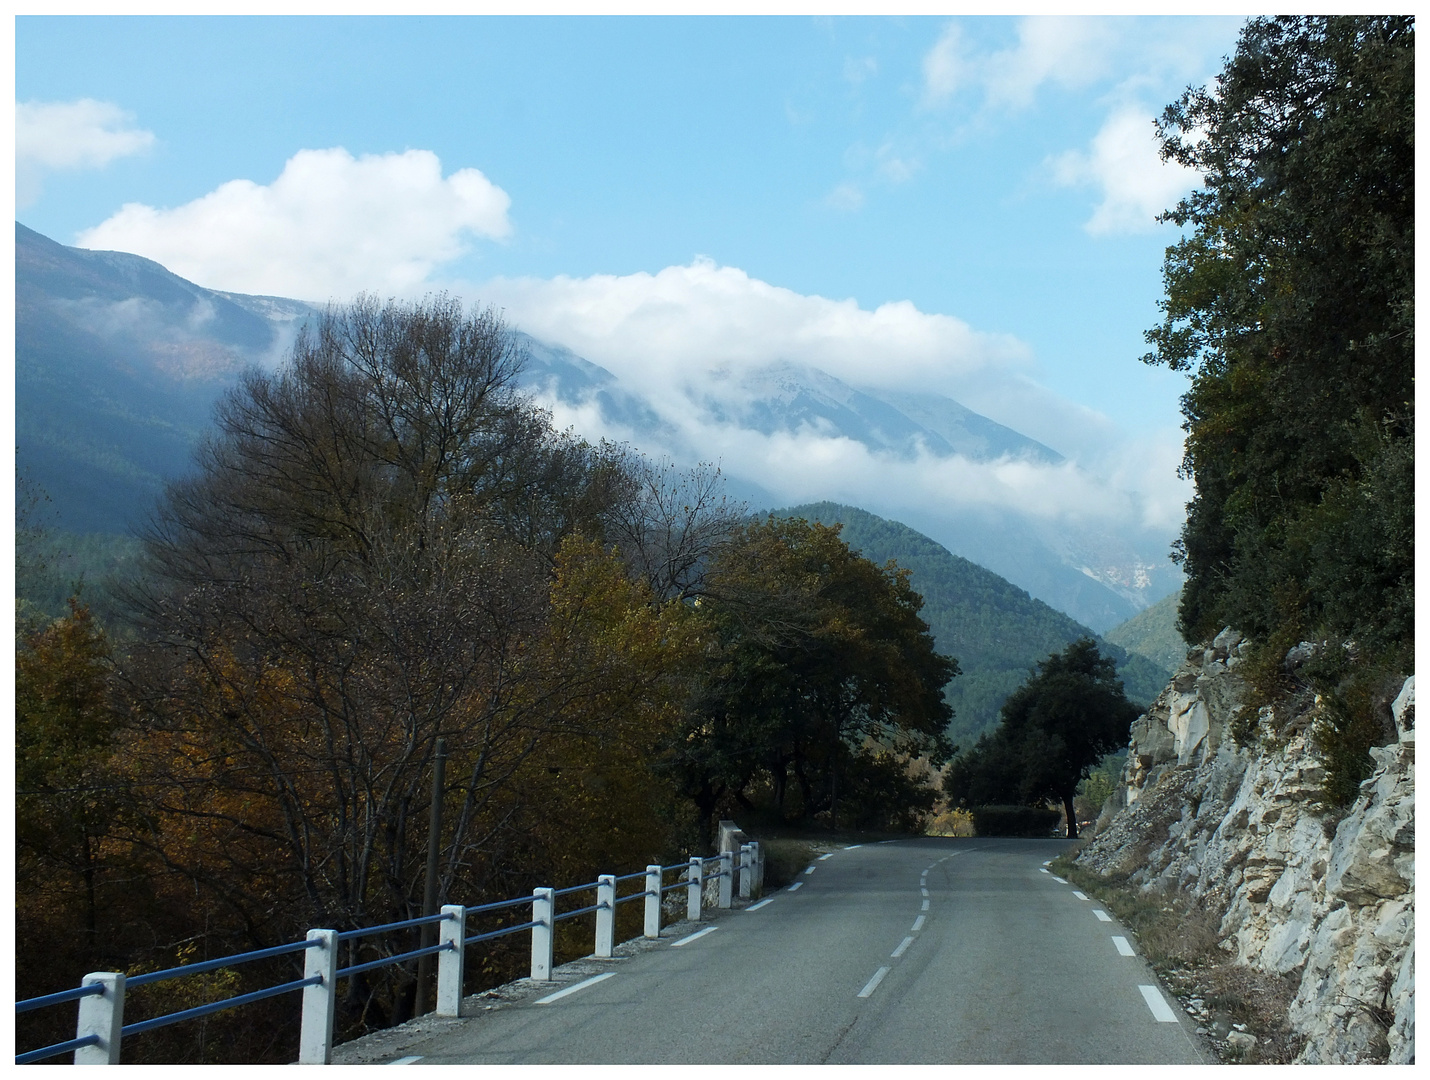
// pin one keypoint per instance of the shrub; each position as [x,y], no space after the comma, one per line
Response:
[1014,820]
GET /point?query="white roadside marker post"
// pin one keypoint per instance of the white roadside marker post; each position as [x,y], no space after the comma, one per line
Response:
[692,894]
[606,916]
[727,874]
[452,931]
[543,936]
[101,1015]
[315,1039]
[747,868]
[652,901]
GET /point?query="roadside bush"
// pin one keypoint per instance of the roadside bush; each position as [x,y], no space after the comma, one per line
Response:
[1014,820]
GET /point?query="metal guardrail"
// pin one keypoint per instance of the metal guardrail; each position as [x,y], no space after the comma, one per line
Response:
[101,1030]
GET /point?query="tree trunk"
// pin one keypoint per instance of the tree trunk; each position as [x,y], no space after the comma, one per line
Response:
[1072,817]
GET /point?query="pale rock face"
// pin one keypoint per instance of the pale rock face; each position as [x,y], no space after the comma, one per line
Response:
[1238,829]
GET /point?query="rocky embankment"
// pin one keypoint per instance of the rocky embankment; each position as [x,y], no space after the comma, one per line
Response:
[1325,902]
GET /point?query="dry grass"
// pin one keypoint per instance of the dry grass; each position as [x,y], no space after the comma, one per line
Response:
[1179,935]
[784,859]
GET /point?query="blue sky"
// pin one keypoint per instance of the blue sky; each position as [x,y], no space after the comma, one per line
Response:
[988,175]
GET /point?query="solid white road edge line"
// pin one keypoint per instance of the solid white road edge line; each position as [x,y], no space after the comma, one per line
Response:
[1080,896]
[1102,916]
[876,980]
[1161,1011]
[756,907]
[1123,947]
[592,981]
[902,946]
[795,886]
[688,938]
[414,1058]
[918,925]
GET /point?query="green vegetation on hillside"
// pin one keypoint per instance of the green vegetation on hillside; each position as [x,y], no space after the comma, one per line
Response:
[1290,303]
[1153,634]
[1052,731]
[995,629]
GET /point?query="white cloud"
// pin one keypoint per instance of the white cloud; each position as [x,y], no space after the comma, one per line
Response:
[1123,163]
[692,331]
[856,70]
[53,136]
[329,226]
[945,65]
[690,341]
[847,196]
[1063,51]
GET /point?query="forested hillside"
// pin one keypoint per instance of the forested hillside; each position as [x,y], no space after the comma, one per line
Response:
[996,631]
[1153,633]
[1290,303]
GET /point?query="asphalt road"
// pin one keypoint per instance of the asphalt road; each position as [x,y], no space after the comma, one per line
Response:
[920,951]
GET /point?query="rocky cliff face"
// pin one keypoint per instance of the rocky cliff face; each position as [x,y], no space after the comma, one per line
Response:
[1328,903]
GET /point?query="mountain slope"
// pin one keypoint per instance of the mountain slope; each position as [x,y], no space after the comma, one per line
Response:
[995,629]
[119,362]
[117,365]
[1153,633]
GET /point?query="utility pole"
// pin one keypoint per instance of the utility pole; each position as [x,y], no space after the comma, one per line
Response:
[429,898]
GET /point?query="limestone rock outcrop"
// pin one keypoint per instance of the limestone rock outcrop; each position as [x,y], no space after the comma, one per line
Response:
[1329,902]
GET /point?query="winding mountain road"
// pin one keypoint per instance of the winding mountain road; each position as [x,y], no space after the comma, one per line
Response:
[921,951]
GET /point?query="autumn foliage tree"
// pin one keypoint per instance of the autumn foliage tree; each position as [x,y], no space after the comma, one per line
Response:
[379,550]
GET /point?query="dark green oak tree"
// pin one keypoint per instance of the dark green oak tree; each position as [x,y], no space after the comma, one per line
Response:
[1068,716]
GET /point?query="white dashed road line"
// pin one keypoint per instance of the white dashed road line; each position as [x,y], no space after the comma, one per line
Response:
[925,906]
[902,946]
[795,886]
[826,855]
[762,903]
[809,869]
[923,892]
[1123,947]
[688,938]
[876,980]
[918,925]
[853,847]
[1161,1011]
[594,979]
[413,1059]
[1044,870]
[1079,895]
[1059,880]
[1102,916]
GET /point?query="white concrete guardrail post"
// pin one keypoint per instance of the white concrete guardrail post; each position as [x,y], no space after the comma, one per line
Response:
[543,934]
[451,931]
[747,868]
[652,901]
[727,875]
[315,1039]
[692,894]
[759,869]
[101,1015]
[606,915]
